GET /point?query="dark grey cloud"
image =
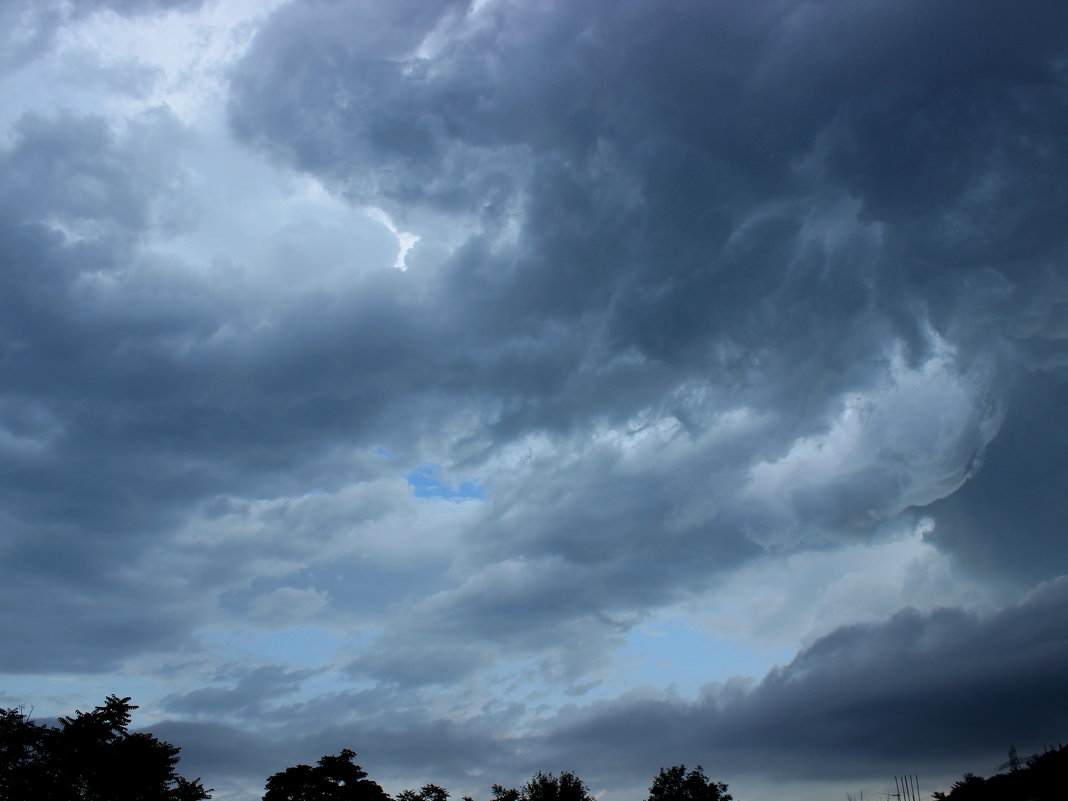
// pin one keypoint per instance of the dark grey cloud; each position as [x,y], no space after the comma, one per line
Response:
[396,742]
[226,758]
[698,228]
[251,693]
[74,498]
[661,243]
[936,693]
[1007,519]
[698,283]
[766,198]
[115,428]
[76,171]
[930,692]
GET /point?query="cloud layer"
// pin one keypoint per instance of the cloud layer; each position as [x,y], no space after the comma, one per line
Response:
[686,292]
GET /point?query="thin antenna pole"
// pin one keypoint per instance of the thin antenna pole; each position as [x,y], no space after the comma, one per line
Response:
[897,787]
[916,781]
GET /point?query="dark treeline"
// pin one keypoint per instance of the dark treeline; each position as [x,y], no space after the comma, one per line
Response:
[93,756]
[1041,777]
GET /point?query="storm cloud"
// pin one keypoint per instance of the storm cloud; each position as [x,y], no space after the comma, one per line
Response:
[384,372]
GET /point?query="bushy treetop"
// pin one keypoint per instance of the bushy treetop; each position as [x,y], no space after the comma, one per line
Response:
[675,784]
[333,778]
[91,756]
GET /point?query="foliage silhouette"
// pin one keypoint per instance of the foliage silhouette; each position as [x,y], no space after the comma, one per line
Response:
[428,792]
[92,756]
[501,793]
[334,778]
[675,784]
[1043,779]
[547,787]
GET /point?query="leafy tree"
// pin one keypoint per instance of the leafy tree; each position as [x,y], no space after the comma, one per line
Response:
[92,756]
[432,792]
[334,778]
[547,787]
[675,784]
[428,792]
[501,793]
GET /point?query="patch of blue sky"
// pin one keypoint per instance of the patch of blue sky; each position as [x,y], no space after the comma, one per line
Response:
[427,481]
[666,652]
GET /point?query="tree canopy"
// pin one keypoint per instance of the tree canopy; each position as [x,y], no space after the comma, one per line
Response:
[91,756]
[675,784]
[428,792]
[547,787]
[1040,777]
[333,778]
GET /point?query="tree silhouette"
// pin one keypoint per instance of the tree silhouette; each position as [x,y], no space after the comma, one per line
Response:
[547,787]
[92,756]
[675,784]
[428,792]
[334,778]
[501,793]
[1041,778]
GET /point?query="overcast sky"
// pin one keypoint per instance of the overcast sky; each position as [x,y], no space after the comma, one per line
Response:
[507,385]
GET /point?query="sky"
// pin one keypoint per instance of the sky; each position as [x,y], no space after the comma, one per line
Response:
[493,386]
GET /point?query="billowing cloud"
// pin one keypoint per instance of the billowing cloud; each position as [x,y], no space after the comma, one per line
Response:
[382,390]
